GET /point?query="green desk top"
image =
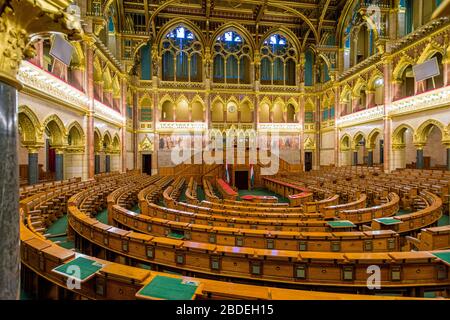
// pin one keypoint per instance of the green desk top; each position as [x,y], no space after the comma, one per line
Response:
[87,268]
[444,256]
[388,221]
[175,235]
[169,289]
[341,224]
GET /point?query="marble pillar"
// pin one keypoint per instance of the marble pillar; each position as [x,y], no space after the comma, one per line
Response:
[97,164]
[355,158]
[370,158]
[108,163]
[18,23]
[448,159]
[419,159]
[9,195]
[59,165]
[33,166]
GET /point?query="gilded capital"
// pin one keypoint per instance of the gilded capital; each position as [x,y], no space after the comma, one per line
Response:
[20,21]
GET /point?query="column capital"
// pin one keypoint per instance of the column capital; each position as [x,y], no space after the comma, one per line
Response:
[419,146]
[398,146]
[20,19]
[33,149]
[60,150]
[446,143]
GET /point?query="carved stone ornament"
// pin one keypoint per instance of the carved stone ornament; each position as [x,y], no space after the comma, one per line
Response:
[146,145]
[20,21]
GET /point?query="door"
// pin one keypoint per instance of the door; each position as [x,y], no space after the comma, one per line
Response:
[308,161]
[147,164]
[241,180]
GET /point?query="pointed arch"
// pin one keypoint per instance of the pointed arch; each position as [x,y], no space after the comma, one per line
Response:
[284,32]
[346,91]
[198,99]
[76,136]
[358,137]
[116,143]
[309,105]
[145,100]
[294,102]
[181,98]
[218,99]
[430,50]
[107,141]
[345,142]
[398,137]
[56,130]
[424,130]
[402,65]
[180,22]
[326,60]
[30,128]
[165,98]
[249,101]
[360,84]
[372,137]
[280,101]
[78,58]
[98,140]
[233,26]
[373,78]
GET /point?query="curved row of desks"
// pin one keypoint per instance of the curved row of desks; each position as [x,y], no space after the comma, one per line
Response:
[114,281]
[398,269]
[369,241]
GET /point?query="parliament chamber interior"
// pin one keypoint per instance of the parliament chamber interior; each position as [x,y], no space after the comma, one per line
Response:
[225,150]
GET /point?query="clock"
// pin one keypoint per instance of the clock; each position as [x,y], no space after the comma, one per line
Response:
[231,108]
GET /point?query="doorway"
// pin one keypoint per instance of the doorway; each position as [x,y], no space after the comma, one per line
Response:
[241,180]
[147,164]
[308,161]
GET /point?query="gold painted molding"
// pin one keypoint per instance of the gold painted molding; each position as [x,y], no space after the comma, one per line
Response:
[20,21]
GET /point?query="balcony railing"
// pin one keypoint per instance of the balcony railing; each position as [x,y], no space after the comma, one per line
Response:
[425,101]
[371,114]
[280,127]
[181,126]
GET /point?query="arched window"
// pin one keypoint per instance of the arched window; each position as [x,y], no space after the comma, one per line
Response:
[231,59]
[181,56]
[278,58]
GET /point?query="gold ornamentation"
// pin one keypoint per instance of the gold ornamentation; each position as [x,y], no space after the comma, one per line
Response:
[22,19]
[309,144]
[146,145]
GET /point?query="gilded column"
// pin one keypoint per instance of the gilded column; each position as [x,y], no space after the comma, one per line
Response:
[18,20]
